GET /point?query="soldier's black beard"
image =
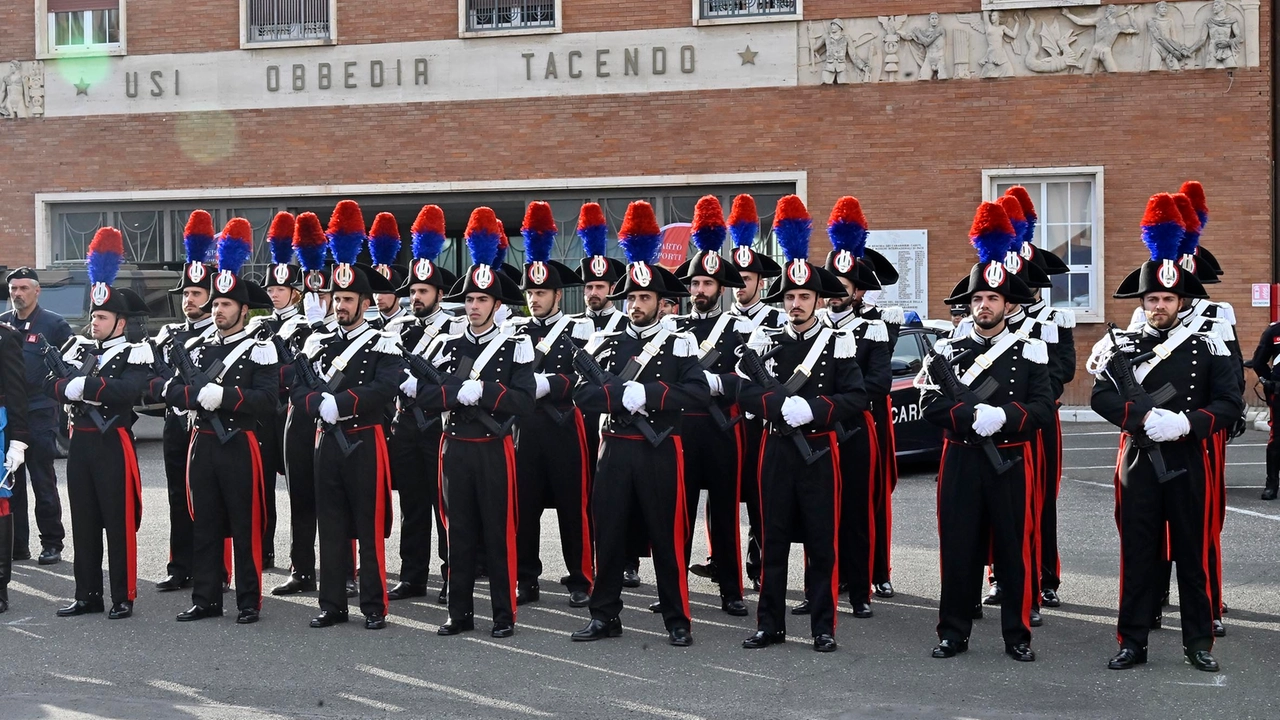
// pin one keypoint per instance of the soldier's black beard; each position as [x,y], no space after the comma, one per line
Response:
[425,311]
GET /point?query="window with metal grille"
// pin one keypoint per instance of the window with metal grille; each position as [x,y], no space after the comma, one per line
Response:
[83,25]
[270,21]
[510,14]
[713,9]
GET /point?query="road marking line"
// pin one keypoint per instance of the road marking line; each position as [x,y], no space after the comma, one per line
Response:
[25,632]
[180,689]
[50,572]
[28,590]
[650,709]
[1112,466]
[76,678]
[1242,511]
[482,700]
[744,672]
[544,656]
[1116,447]
[375,704]
[1218,681]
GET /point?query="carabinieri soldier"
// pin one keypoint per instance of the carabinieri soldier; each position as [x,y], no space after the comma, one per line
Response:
[552,456]
[104,486]
[484,381]
[989,417]
[384,251]
[1163,472]
[809,384]
[224,467]
[650,377]
[1263,363]
[359,369]
[15,437]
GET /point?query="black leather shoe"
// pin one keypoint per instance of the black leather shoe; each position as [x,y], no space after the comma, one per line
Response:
[199,613]
[884,589]
[503,630]
[1202,660]
[824,643]
[121,610]
[736,607]
[1269,494]
[404,590]
[443,597]
[353,590]
[950,648]
[862,610]
[1127,658]
[703,570]
[1021,652]
[247,616]
[450,627]
[764,639]
[564,579]
[977,612]
[657,608]
[578,599]
[680,637]
[173,582]
[50,556]
[295,584]
[1219,630]
[527,594]
[598,630]
[995,597]
[329,618]
[1049,598]
[82,607]
[631,578]
[1036,618]
[801,609]
[375,622]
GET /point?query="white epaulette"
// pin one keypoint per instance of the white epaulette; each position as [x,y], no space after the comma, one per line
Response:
[670,322]
[1139,318]
[140,354]
[264,353]
[524,350]
[1036,351]
[743,325]
[761,339]
[394,323]
[71,348]
[388,343]
[1064,318]
[582,328]
[1048,330]
[312,345]
[877,331]
[597,339]
[1228,312]
[846,345]
[1215,344]
[894,315]
[685,345]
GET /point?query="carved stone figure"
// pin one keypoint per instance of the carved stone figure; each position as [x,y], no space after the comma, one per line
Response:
[995,61]
[1221,37]
[892,25]
[1107,28]
[1052,52]
[839,53]
[22,90]
[932,55]
[1166,51]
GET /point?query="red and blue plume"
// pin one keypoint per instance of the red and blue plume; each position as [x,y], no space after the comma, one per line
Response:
[539,231]
[1013,209]
[709,230]
[483,236]
[744,221]
[1028,210]
[639,236]
[235,245]
[428,233]
[1162,227]
[1191,221]
[346,232]
[592,229]
[1195,193]
[280,238]
[792,226]
[106,251]
[309,242]
[504,244]
[847,227]
[991,232]
[384,239]
[197,237]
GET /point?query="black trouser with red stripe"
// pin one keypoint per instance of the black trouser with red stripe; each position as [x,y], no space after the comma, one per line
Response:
[793,492]
[972,500]
[633,476]
[354,502]
[299,473]
[885,482]
[551,471]
[271,443]
[1051,475]
[105,493]
[176,443]
[753,432]
[415,474]
[226,499]
[716,467]
[1144,508]
[478,481]
[859,471]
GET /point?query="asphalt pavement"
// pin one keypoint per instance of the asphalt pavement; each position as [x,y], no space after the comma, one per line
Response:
[149,666]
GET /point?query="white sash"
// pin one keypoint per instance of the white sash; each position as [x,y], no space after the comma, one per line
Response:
[1179,335]
[717,330]
[988,358]
[544,347]
[234,356]
[486,355]
[340,362]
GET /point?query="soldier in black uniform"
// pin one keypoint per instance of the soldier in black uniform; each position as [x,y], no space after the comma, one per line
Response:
[717,465]
[384,251]
[478,459]
[654,378]
[819,385]
[415,434]
[1206,400]
[973,493]
[1263,363]
[15,438]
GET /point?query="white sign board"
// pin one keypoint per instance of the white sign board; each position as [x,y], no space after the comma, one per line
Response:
[908,250]
[1261,295]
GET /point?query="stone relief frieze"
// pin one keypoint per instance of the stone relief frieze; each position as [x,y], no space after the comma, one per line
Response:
[22,89]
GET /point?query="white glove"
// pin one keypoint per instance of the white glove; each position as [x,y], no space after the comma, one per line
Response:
[633,397]
[329,409]
[470,392]
[16,456]
[75,388]
[796,412]
[987,420]
[713,380]
[410,385]
[1164,426]
[210,397]
[313,308]
[543,387]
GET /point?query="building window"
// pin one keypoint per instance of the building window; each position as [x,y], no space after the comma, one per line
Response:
[710,12]
[276,23]
[1069,224]
[487,17]
[81,27]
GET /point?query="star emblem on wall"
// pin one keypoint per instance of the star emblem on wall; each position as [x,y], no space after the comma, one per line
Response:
[82,88]
[748,56]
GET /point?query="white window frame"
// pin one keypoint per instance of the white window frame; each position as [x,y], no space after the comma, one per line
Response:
[463,32]
[698,20]
[1093,173]
[314,42]
[45,49]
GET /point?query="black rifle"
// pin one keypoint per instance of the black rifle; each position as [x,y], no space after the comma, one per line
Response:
[558,417]
[196,379]
[307,375]
[422,369]
[60,369]
[591,371]
[753,365]
[1120,368]
[726,423]
[944,375]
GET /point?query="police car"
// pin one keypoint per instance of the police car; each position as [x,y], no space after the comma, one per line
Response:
[917,439]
